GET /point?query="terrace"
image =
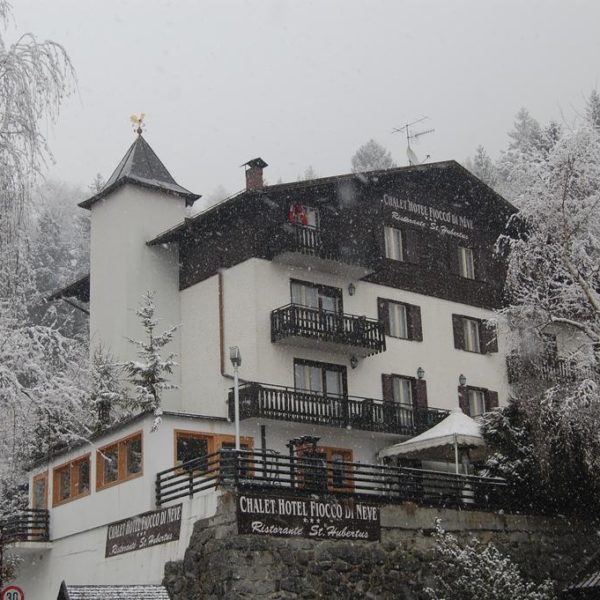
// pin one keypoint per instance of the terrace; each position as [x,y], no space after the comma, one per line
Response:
[270,472]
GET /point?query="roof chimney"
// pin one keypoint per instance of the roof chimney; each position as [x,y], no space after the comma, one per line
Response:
[254,174]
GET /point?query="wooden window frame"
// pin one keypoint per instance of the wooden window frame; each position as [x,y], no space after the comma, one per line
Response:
[490,398]
[215,441]
[122,475]
[414,323]
[334,292]
[463,268]
[43,477]
[323,366]
[329,451]
[488,334]
[71,465]
[402,249]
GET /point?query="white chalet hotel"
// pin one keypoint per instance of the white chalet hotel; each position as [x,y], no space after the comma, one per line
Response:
[363,309]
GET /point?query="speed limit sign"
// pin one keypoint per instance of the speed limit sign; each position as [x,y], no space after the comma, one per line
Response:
[12,592]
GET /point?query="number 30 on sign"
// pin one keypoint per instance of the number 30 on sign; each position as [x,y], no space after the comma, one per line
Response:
[12,592]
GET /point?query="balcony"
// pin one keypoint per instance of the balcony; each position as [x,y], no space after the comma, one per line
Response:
[554,370]
[335,331]
[269,472]
[27,531]
[307,246]
[279,403]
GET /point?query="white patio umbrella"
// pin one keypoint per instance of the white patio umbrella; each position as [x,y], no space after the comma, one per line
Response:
[456,431]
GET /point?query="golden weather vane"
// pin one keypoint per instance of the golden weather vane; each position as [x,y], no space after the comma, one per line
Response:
[138,122]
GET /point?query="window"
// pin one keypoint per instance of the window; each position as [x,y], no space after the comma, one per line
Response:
[402,390]
[119,462]
[466,263]
[320,378]
[324,468]
[394,247]
[471,335]
[398,323]
[299,214]
[320,297]
[401,320]
[70,481]
[474,335]
[191,445]
[476,402]
[39,494]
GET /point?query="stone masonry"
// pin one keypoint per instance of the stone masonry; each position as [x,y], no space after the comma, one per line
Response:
[219,563]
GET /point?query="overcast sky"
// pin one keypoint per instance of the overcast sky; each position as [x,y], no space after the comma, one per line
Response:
[305,82]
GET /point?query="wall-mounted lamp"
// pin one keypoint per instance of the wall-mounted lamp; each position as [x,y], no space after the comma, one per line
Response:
[420,373]
[353,361]
[462,380]
[351,289]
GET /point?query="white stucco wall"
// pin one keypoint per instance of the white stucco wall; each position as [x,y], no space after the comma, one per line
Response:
[123,268]
[256,287]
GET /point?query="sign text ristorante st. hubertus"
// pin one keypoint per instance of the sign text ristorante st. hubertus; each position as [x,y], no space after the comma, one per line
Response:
[307,517]
[143,531]
[444,222]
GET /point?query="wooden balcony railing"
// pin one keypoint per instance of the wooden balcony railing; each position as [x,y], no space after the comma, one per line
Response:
[271,472]
[560,370]
[29,525]
[288,404]
[294,320]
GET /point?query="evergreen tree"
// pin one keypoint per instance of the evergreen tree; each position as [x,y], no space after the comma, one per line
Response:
[150,374]
[483,167]
[592,110]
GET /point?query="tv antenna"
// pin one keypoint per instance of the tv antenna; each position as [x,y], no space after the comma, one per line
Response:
[410,135]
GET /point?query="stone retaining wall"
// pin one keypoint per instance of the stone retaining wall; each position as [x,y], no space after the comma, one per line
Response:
[220,563]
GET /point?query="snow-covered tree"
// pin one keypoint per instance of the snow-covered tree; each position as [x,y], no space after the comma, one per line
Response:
[483,167]
[547,442]
[35,77]
[475,571]
[149,375]
[371,156]
[108,396]
[592,109]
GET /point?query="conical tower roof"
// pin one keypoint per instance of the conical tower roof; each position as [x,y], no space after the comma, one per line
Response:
[141,166]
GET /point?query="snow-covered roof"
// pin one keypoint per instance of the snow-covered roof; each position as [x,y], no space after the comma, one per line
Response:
[455,428]
[141,166]
[112,592]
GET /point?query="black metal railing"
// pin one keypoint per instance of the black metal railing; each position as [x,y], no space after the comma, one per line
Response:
[258,400]
[28,525]
[271,472]
[328,326]
[560,370]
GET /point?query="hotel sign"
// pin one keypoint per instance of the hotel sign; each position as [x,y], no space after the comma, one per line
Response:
[310,517]
[143,531]
[444,222]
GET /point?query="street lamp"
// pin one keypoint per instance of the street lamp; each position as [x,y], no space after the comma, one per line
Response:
[236,360]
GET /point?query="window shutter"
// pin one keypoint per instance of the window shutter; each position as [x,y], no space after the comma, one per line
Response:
[459,334]
[491,400]
[420,394]
[489,337]
[453,258]
[388,388]
[411,245]
[463,399]
[415,326]
[383,314]
[481,265]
